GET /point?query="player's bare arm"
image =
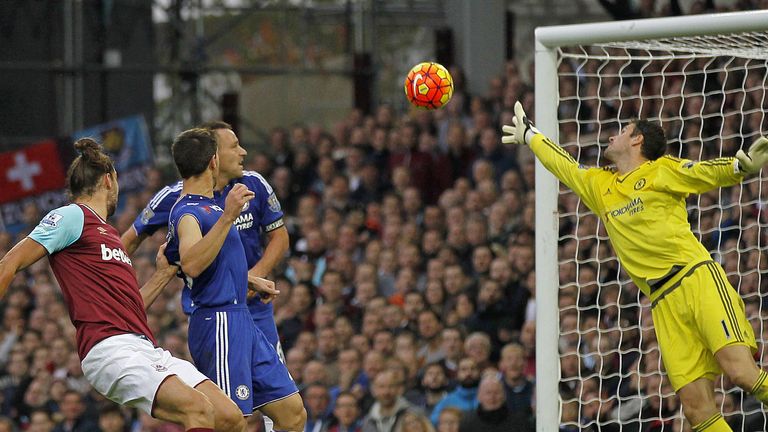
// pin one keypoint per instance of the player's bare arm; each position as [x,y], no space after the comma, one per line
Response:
[23,255]
[277,245]
[196,251]
[164,272]
[132,241]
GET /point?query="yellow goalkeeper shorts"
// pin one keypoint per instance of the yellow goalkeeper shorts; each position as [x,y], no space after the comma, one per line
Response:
[696,313]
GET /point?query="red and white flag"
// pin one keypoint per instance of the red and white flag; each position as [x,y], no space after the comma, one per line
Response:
[30,171]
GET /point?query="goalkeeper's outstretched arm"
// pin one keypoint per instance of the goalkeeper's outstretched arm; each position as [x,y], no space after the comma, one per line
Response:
[554,158]
[687,176]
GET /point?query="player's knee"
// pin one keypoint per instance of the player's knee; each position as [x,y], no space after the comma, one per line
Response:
[230,420]
[299,419]
[697,409]
[229,417]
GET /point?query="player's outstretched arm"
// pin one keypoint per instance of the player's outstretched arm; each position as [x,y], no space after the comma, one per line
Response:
[164,272]
[196,251]
[21,256]
[756,158]
[554,158]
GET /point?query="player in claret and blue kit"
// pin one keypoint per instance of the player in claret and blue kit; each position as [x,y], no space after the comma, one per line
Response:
[224,342]
[117,349]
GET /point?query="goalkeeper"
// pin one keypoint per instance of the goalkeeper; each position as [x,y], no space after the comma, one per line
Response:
[698,316]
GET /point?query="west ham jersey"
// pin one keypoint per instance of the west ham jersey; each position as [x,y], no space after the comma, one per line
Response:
[225,281]
[95,275]
[262,214]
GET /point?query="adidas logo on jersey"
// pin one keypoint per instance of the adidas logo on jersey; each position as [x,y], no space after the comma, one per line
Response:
[244,221]
[108,254]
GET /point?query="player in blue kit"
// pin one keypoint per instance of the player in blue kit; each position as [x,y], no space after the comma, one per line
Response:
[223,339]
[262,215]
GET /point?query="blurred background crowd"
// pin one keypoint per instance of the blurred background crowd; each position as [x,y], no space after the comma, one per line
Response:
[409,285]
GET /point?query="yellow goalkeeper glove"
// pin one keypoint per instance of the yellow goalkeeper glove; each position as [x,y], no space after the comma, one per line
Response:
[757,156]
[522,129]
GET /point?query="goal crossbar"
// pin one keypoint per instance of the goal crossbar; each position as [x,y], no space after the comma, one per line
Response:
[654,28]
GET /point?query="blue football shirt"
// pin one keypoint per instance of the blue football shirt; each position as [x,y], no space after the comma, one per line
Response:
[225,281]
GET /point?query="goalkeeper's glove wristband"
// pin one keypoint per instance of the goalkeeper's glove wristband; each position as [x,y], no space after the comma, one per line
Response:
[530,130]
[527,126]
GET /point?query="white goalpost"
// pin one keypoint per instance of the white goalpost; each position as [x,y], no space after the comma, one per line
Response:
[705,79]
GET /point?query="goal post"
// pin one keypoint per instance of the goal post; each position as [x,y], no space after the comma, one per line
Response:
[705,78]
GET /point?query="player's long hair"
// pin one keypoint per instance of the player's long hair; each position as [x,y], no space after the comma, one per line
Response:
[85,172]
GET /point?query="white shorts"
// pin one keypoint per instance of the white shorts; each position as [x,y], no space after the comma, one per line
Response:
[128,370]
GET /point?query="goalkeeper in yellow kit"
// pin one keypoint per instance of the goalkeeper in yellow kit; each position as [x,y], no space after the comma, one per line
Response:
[698,316]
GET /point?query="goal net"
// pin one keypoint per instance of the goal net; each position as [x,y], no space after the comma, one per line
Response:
[704,79]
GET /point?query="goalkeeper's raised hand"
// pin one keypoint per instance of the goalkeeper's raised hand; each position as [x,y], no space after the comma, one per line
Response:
[521,131]
[757,156]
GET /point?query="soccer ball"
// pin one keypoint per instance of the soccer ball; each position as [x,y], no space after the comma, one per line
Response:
[428,85]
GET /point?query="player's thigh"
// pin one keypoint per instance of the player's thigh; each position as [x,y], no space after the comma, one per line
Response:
[683,352]
[176,402]
[719,311]
[283,409]
[129,370]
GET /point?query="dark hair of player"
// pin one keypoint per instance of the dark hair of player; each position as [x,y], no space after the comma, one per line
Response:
[193,150]
[85,172]
[654,140]
[215,125]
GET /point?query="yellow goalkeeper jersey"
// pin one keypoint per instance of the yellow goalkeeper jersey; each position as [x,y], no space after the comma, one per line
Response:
[644,210]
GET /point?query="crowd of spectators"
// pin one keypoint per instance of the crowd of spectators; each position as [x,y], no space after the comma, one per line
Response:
[407,299]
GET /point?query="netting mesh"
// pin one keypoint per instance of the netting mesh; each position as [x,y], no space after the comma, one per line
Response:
[710,95]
